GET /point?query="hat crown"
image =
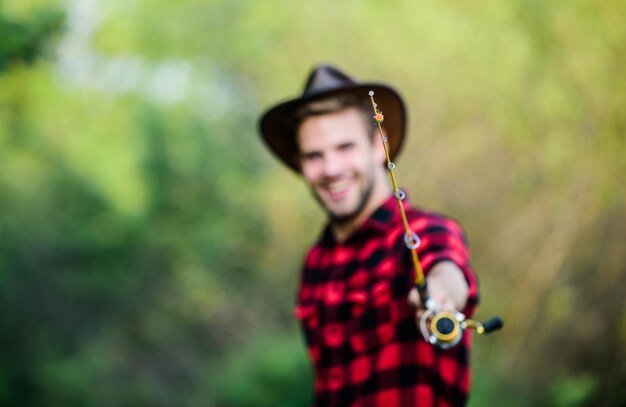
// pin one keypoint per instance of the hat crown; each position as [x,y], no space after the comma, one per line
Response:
[324,78]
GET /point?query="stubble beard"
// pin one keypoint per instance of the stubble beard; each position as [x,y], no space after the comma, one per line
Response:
[343,219]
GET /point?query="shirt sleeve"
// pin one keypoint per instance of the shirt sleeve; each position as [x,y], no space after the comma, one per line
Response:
[443,239]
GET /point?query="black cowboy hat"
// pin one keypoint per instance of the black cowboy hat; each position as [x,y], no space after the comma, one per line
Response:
[325,81]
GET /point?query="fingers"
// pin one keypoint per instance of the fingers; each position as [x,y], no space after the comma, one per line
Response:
[438,295]
[414,298]
[446,304]
[415,301]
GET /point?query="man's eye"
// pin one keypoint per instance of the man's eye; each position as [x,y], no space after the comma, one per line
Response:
[346,146]
[311,156]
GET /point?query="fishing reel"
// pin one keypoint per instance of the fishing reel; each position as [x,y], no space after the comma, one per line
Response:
[444,329]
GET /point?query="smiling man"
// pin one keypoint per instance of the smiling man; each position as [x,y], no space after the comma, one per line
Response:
[356,301]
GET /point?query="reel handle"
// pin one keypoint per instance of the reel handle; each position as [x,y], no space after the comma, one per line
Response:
[492,324]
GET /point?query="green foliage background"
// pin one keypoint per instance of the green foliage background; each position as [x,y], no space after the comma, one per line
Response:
[150,245]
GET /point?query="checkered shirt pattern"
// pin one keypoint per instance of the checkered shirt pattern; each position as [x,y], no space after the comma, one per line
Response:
[361,332]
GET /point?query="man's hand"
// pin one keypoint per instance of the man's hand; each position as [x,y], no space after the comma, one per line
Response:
[446,287]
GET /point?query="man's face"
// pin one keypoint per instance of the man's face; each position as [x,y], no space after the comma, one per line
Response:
[339,159]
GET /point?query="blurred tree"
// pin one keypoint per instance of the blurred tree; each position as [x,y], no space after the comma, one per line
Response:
[24,41]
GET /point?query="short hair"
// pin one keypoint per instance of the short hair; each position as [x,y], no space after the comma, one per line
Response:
[333,104]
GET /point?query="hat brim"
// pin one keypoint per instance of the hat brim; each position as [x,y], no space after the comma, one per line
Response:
[275,125]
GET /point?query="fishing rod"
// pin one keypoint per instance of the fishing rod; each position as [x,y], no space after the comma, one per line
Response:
[441,328]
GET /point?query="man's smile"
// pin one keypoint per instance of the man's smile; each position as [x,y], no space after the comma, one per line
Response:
[337,190]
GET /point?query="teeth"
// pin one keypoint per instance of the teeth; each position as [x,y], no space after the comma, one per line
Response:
[337,186]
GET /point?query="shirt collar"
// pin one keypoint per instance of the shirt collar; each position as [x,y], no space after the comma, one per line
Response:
[384,217]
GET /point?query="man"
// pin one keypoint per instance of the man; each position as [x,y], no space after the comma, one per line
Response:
[356,301]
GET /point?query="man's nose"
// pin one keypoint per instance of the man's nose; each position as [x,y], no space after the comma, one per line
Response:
[333,165]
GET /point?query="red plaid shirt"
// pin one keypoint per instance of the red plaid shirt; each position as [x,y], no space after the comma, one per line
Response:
[360,330]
